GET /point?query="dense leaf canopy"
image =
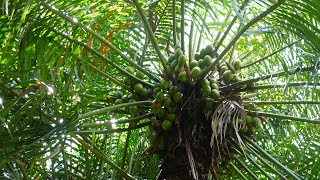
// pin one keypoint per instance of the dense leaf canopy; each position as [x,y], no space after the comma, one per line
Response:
[62,64]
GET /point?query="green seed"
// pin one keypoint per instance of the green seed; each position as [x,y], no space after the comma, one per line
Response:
[140,75]
[209,49]
[215,94]
[166,125]
[138,88]
[207,60]
[202,53]
[236,64]
[171,117]
[118,101]
[205,90]
[127,81]
[195,72]
[164,84]
[197,56]
[173,64]
[129,69]
[160,96]
[205,83]
[178,53]
[177,98]
[182,60]
[155,91]
[223,68]
[227,76]
[171,58]
[214,86]
[167,102]
[193,64]
[201,63]
[182,76]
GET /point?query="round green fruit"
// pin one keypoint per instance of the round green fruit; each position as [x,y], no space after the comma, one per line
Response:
[207,60]
[209,49]
[167,102]
[214,86]
[177,98]
[156,111]
[164,84]
[205,83]
[205,90]
[223,68]
[178,53]
[118,101]
[173,64]
[249,119]
[173,90]
[144,93]
[182,60]
[257,122]
[155,91]
[166,125]
[138,88]
[195,72]
[202,53]
[127,81]
[178,68]
[236,64]
[227,76]
[119,94]
[171,58]
[197,56]
[182,76]
[162,113]
[171,117]
[213,81]
[140,75]
[129,69]
[160,96]
[201,63]
[215,94]
[124,98]
[193,64]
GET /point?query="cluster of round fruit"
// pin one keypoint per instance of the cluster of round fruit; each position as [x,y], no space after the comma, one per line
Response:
[201,61]
[252,124]
[139,91]
[228,72]
[166,103]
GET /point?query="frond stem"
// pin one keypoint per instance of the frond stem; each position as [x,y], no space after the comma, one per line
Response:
[282,102]
[281,73]
[100,154]
[112,108]
[270,158]
[235,39]
[152,37]
[269,55]
[109,123]
[292,118]
[98,36]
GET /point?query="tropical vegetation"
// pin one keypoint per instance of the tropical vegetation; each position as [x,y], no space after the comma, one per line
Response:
[164,89]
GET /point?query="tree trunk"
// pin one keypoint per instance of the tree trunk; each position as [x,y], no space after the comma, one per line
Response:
[189,141]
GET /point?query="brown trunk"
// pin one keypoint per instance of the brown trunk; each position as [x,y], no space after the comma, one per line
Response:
[195,129]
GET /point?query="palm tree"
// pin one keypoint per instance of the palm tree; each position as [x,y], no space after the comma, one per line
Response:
[159,90]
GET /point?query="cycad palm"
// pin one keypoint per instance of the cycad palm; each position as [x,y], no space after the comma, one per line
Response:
[64,63]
